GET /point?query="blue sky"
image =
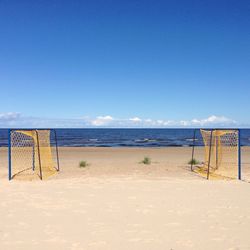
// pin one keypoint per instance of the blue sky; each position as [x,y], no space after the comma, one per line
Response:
[125,63]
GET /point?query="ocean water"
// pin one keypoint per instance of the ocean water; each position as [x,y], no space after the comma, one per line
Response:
[127,137]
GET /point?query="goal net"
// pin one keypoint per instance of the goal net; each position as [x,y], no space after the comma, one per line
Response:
[33,154]
[221,153]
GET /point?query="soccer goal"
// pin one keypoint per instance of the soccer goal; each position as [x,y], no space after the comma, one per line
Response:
[222,154]
[33,153]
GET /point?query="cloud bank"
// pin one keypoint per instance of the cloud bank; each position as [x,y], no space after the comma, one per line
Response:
[17,120]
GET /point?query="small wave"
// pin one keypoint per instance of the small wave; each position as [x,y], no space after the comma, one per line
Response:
[191,139]
[141,140]
[145,140]
[93,140]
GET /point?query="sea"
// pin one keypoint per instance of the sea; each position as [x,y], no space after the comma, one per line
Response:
[107,137]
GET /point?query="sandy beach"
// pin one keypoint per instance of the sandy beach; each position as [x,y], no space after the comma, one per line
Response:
[103,104]
[118,203]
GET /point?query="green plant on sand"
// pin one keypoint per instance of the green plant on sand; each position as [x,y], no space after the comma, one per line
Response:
[146,160]
[83,164]
[193,162]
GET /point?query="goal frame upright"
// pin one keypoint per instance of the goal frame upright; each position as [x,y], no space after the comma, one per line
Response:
[212,130]
[10,176]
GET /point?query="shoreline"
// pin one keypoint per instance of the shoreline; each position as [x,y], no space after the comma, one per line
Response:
[167,162]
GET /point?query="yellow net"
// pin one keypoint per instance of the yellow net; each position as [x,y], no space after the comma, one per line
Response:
[32,154]
[221,146]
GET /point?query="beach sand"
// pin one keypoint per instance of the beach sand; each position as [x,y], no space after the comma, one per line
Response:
[118,203]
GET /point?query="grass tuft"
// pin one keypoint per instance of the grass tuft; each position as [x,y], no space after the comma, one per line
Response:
[193,162]
[146,161]
[83,164]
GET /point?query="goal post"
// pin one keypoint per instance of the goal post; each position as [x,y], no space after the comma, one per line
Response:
[222,153]
[33,153]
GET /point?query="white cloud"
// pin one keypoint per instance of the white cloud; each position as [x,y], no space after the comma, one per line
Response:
[17,120]
[9,116]
[185,123]
[135,119]
[102,120]
[9,119]
[214,120]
